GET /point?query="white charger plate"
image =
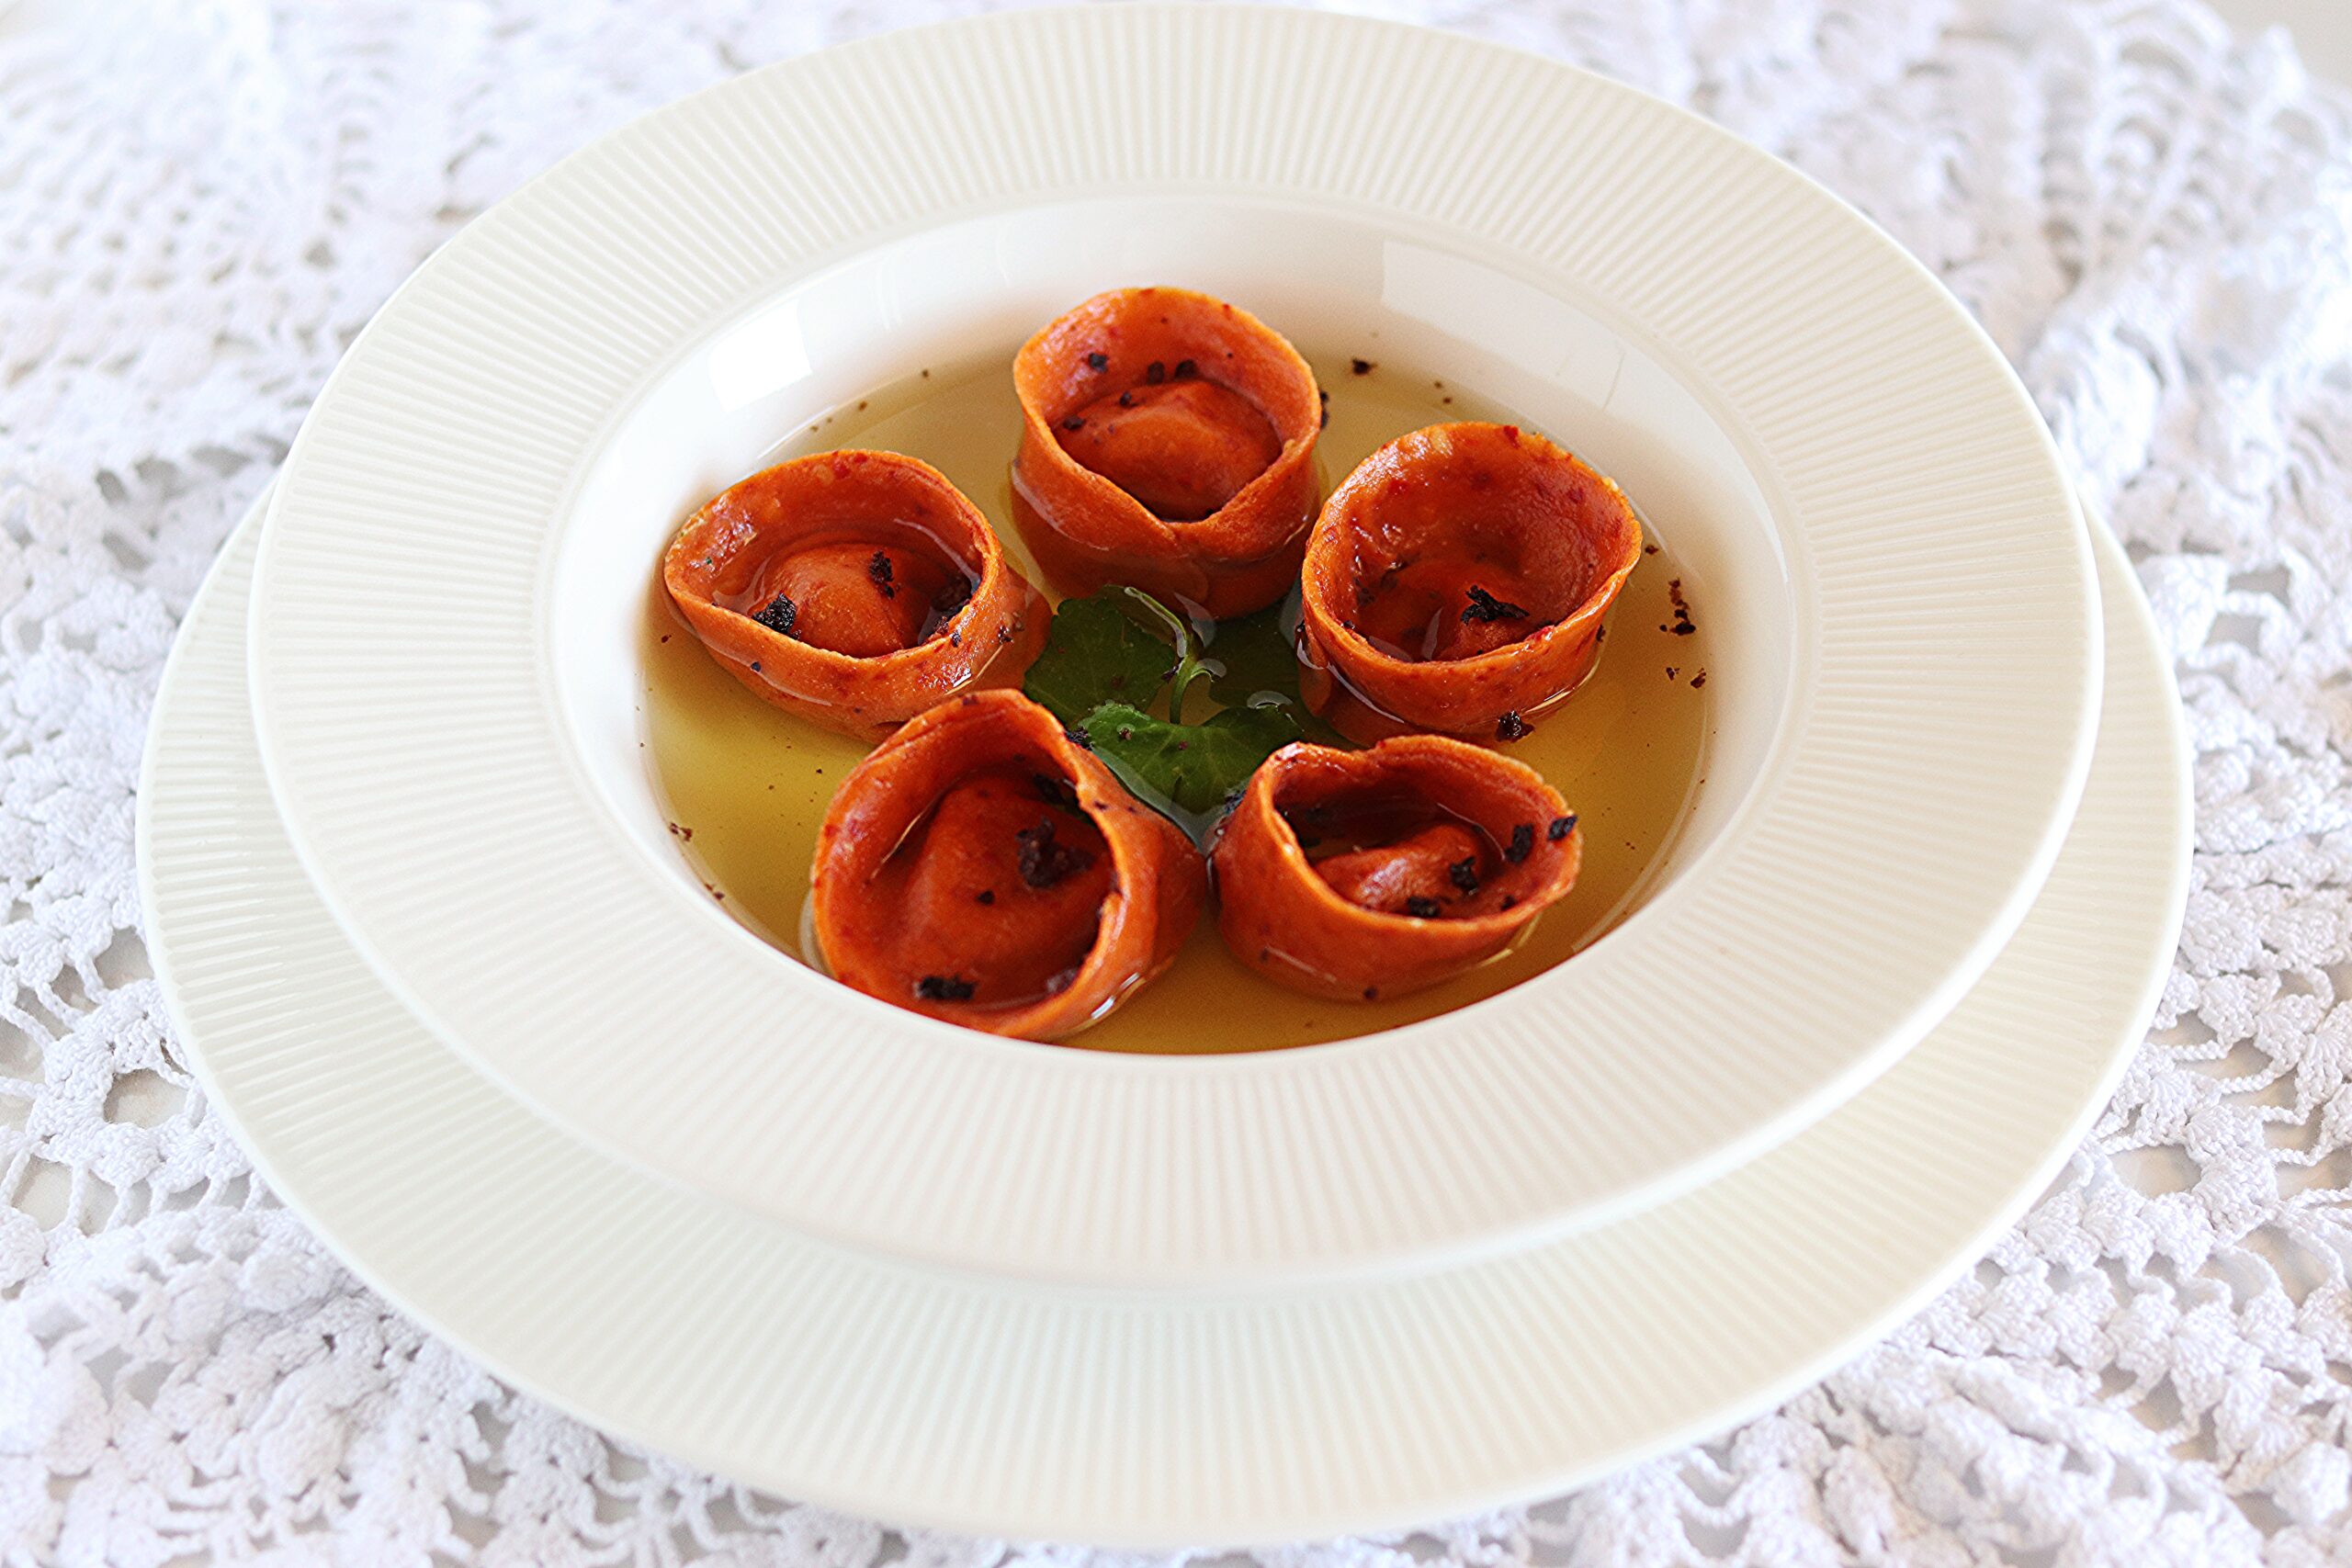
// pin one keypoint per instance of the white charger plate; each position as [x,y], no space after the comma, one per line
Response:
[1128,1417]
[1891,566]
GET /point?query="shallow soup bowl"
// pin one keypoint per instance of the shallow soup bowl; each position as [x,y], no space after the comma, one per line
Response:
[1902,649]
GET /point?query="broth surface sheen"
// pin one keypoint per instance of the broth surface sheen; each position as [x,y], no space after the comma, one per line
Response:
[745,787]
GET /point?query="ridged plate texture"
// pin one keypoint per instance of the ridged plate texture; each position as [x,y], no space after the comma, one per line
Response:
[1937,731]
[1124,1417]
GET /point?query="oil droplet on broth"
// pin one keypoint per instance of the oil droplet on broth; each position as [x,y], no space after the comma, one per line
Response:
[751,784]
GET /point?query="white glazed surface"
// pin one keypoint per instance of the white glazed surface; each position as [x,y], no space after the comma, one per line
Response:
[1134,1419]
[1942,667]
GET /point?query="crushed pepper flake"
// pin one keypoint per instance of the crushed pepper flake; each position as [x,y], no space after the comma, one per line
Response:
[778,616]
[944,989]
[1484,606]
[1044,862]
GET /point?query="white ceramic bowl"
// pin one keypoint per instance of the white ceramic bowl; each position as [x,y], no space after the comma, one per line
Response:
[459,563]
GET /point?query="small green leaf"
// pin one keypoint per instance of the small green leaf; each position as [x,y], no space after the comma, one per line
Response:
[1189,666]
[1096,653]
[1188,770]
[1257,657]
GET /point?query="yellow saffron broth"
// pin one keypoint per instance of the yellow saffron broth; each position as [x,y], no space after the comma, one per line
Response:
[746,786]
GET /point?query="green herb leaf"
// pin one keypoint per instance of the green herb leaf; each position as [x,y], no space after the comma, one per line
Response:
[1095,653]
[1190,768]
[1188,664]
[1255,659]
[1258,657]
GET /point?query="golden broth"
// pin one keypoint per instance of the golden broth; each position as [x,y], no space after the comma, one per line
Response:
[746,786]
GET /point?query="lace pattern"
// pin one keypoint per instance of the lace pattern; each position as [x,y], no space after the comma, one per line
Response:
[202,207]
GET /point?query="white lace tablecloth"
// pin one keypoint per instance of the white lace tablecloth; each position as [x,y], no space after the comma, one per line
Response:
[202,202]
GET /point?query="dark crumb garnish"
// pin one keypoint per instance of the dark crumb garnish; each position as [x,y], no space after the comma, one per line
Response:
[1045,862]
[1649,550]
[954,639]
[665,636]
[1597,633]
[1420,908]
[1699,680]
[1523,843]
[1463,873]
[1005,632]
[1510,727]
[1672,671]
[1156,372]
[779,615]
[1126,400]
[1075,422]
[1372,993]
[1361,366]
[878,569]
[1327,410]
[985,895]
[682,833]
[755,665]
[1053,791]
[1561,827]
[943,988]
[1510,899]
[1484,606]
[1077,738]
[1098,360]
[1186,367]
[1683,625]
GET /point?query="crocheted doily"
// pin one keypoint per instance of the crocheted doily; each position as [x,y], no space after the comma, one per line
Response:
[201,203]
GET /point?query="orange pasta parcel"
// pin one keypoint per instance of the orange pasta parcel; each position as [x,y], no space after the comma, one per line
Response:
[1361,874]
[1456,582]
[854,589]
[1168,442]
[982,867]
